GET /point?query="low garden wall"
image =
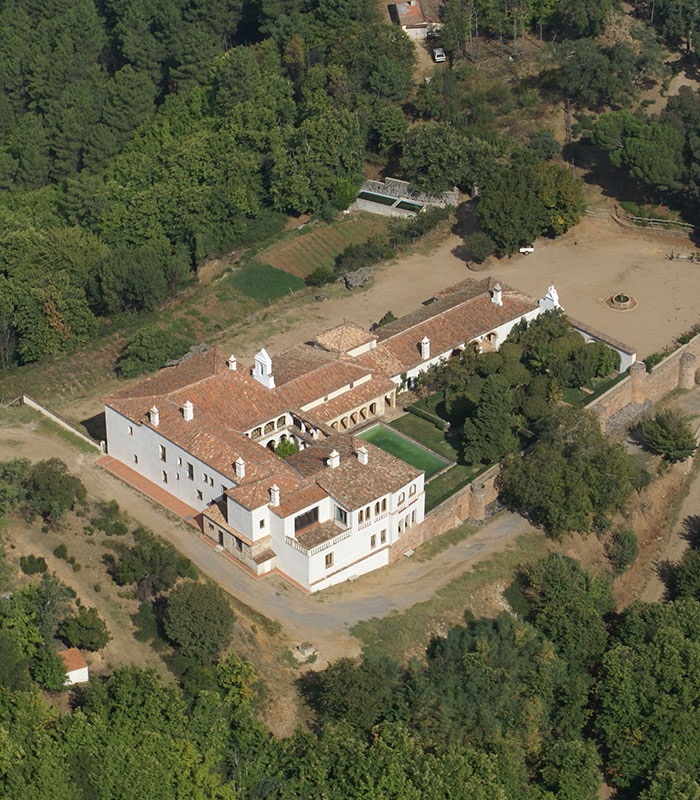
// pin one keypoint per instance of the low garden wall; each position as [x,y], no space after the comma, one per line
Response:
[26,400]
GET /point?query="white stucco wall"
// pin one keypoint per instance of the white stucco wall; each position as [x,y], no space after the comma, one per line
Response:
[77,676]
[145,443]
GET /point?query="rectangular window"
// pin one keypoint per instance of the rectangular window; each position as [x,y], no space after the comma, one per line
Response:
[210,525]
[239,544]
[190,472]
[199,495]
[131,430]
[223,489]
[162,453]
[165,476]
[382,537]
[306,519]
[373,541]
[179,461]
[136,459]
[262,523]
[341,515]
[206,477]
[329,560]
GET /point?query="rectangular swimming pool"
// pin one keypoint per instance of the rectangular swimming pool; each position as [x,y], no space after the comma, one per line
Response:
[404,448]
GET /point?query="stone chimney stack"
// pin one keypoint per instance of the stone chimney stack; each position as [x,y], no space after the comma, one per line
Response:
[239,466]
[154,416]
[231,363]
[274,495]
[424,345]
[497,294]
[334,459]
[362,455]
[188,411]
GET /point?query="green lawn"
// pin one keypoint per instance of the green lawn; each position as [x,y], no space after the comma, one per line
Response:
[448,483]
[403,448]
[426,433]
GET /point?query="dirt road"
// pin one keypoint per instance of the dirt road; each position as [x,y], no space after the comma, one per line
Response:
[323,618]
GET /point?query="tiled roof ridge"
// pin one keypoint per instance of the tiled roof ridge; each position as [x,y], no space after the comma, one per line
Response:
[214,353]
[435,316]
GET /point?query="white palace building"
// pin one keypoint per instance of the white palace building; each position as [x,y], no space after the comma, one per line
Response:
[205,431]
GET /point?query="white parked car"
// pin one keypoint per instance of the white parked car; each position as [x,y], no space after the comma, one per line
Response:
[439,55]
[527,250]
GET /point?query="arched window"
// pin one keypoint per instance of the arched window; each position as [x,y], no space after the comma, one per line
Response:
[257,432]
[360,516]
[281,422]
[269,427]
[376,509]
[368,513]
[384,504]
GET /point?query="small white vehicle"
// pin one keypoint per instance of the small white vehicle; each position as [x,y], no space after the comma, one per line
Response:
[527,250]
[439,55]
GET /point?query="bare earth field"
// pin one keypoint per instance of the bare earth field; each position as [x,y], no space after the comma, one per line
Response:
[588,264]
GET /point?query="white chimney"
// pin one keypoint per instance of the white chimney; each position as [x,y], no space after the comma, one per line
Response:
[188,411]
[231,363]
[362,455]
[262,371]
[154,416]
[334,459]
[497,294]
[239,466]
[424,348]
[274,495]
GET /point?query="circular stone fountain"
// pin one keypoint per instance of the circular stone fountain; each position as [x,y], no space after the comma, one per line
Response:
[621,302]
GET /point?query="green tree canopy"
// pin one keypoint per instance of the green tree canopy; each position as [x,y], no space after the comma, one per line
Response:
[199,620]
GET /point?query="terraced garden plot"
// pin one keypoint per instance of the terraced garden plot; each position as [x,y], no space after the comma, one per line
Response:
[318,247]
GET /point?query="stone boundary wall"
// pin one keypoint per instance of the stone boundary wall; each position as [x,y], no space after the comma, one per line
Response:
[676,371]
[26,400]
[467,503]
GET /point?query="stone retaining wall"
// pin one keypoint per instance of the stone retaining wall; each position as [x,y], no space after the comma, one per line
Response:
[640,388]
[468,503]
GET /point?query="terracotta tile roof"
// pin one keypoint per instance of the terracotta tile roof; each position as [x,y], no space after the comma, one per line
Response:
[318,533]
[322,381]
[299,360]
[210,385]
[364,393]
[410,14]
[72,658]
[344,337]
[351,483]
[296,501]
[459,314]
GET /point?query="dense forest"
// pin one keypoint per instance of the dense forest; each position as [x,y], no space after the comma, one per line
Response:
[137,139]
[542,703]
